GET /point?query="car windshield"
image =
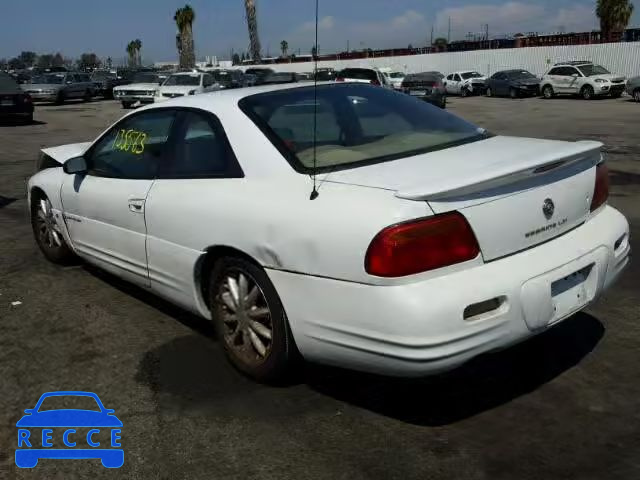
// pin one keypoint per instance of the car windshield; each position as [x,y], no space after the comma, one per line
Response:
[396,75]
[65,402]
[259,71]
[222,76]
[102,75]
[520,74]
[467,75]
[49,78]
[591,70]
[183,80]
[356,124]
[146,78]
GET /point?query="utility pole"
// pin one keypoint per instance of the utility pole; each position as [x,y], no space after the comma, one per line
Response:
[347,46]
[449,32]
[430,44]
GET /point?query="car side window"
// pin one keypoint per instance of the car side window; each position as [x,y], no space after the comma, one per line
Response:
[457,78]
[208,80]
[201,150]
[499,76]
[450,77]
[564,72]
[573,71]
[134,148]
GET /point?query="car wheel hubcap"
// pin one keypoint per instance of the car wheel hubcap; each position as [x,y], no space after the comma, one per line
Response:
[46,226]
[246,317]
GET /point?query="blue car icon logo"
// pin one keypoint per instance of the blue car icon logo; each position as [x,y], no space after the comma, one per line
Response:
[69,433]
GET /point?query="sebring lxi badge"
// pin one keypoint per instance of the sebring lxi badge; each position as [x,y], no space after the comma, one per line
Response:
[548,209]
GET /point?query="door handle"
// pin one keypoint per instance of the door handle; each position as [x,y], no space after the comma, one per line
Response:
[136,205]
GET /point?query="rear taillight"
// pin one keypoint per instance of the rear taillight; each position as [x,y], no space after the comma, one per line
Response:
[421,245]
[601,188]
[375,82]
[339,79]
[26,98]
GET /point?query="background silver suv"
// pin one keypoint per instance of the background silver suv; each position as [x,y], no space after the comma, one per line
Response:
[581,78]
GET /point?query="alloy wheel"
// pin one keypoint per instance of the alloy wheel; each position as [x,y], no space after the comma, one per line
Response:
[46,227]
[246,317]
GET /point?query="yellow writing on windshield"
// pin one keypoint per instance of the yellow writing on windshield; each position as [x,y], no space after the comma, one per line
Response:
[130,141]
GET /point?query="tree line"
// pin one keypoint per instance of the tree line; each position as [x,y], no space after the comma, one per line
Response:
[28,59]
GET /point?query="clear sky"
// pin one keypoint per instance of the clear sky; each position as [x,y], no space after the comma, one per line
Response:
[105,27]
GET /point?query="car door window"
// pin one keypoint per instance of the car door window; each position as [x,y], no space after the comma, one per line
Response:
[573,71]
[457,78]
[450,77]
[133,148]
[208,80]
[201,150]
[554,71]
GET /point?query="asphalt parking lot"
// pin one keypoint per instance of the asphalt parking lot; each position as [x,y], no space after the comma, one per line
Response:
[564,405]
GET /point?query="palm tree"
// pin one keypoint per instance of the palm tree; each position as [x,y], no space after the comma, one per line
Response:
[440,44]
[614,17]
[252,24]
[131,51]
[184,18]
[284,46]
[138,46]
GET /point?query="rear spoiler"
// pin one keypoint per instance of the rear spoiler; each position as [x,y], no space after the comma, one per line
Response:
[501,174]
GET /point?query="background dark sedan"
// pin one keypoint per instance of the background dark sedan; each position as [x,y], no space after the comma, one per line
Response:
[512,83]
[277,78]
[105,81]
[428,86]
[14,102]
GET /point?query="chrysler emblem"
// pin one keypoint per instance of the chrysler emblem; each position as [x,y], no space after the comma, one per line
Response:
[548,208]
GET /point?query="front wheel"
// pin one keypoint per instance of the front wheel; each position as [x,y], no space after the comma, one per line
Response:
[587,92]
[250,320]
[127,105]
[464,92]
[547,92]
[513,93]
[636,95]
[47,232]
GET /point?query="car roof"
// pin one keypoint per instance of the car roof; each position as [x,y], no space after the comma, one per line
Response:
[209,101]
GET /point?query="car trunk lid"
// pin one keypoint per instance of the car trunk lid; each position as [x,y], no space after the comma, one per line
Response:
[515,192]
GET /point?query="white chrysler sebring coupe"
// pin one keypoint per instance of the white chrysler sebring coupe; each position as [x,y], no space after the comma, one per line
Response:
[428,240]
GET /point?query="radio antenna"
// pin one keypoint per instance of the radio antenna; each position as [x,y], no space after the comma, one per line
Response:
[314,192]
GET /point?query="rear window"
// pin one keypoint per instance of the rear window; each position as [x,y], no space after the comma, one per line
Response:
[358,74]
[356,125]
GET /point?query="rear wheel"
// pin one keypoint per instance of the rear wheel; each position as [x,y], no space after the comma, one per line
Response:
[587,92]
[47,232]
[250,320]
[547,92]
[636,95]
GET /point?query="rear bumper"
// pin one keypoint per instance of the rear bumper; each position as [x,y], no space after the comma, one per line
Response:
[16,111]
[419,329]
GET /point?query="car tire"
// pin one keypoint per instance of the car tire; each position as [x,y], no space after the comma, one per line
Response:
[126,105]
[587,92]
[47,234]
[28,120]
[547,92]
[616,95]
[60,98]
[87,96]
[636,95]
[464,92]
[258,344]
[488,92]
[513,93]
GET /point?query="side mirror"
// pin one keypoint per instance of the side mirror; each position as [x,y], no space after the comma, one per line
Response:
[574,75]
[77,165]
